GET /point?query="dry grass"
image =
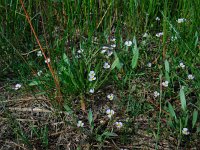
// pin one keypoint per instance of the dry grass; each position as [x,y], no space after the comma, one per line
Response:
[30,111]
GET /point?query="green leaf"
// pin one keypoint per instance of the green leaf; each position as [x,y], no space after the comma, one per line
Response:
[33,83]
[90,119]
[68,109]
[186,120]
[182,98]
[166,66]
[171,111]
[167,76]
[194,118]
[135,58]
[170,123]
[135,54]
[65,59]
[110,134]
[116,63]
[196,39]
[198,129]
[99,138]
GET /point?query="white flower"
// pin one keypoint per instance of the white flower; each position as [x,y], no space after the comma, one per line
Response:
[17,86]
[165,84]
[113,45]
[105,47]
[92,74]
[39,73]
[91,91]
[181,65]
[110,96]
[173,38]
[145,35]
[181,20]
[113,40]
[80,124]
[39,53]
[95,38]
[149,65]
[156,94]
[190,77]
[78,56]
[106,65]
[185,131]
[157,19]
[103,51]
[109,53]
[80,51]
[118,124]
[92,78]
[159,34]
[128,43]
[47,60]
[110,113]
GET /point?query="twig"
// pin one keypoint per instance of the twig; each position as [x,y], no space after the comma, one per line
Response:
[22,120]
[32,51]
[30,109]
[18,100]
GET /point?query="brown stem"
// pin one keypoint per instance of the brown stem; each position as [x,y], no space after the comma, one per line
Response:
[59,95]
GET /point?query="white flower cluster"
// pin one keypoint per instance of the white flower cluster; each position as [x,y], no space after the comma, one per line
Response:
[17,86]
[80,51]
[47,60]
[157,19]
[182,65]
[185,131]
[149,65]
[156,94]
[80,124]
[91,91]
[110,113]
[128,43]
[39,73]
[145,35]
[190,77]
[181,20]
[118,124]
[39,53]
[159,34]
[110,97]
[106,65]
[165,84]
[109,50]
[92,76]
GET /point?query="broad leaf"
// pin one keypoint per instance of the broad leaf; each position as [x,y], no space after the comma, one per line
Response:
[171,111]
[166,66]
[116,63]
[182,98]
[33,83]
[194,118]
[135,54]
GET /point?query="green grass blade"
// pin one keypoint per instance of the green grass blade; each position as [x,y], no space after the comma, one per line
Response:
[183,100]
[194,118]
[135,55]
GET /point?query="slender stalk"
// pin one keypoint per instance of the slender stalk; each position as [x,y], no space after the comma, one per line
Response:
[59,95]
